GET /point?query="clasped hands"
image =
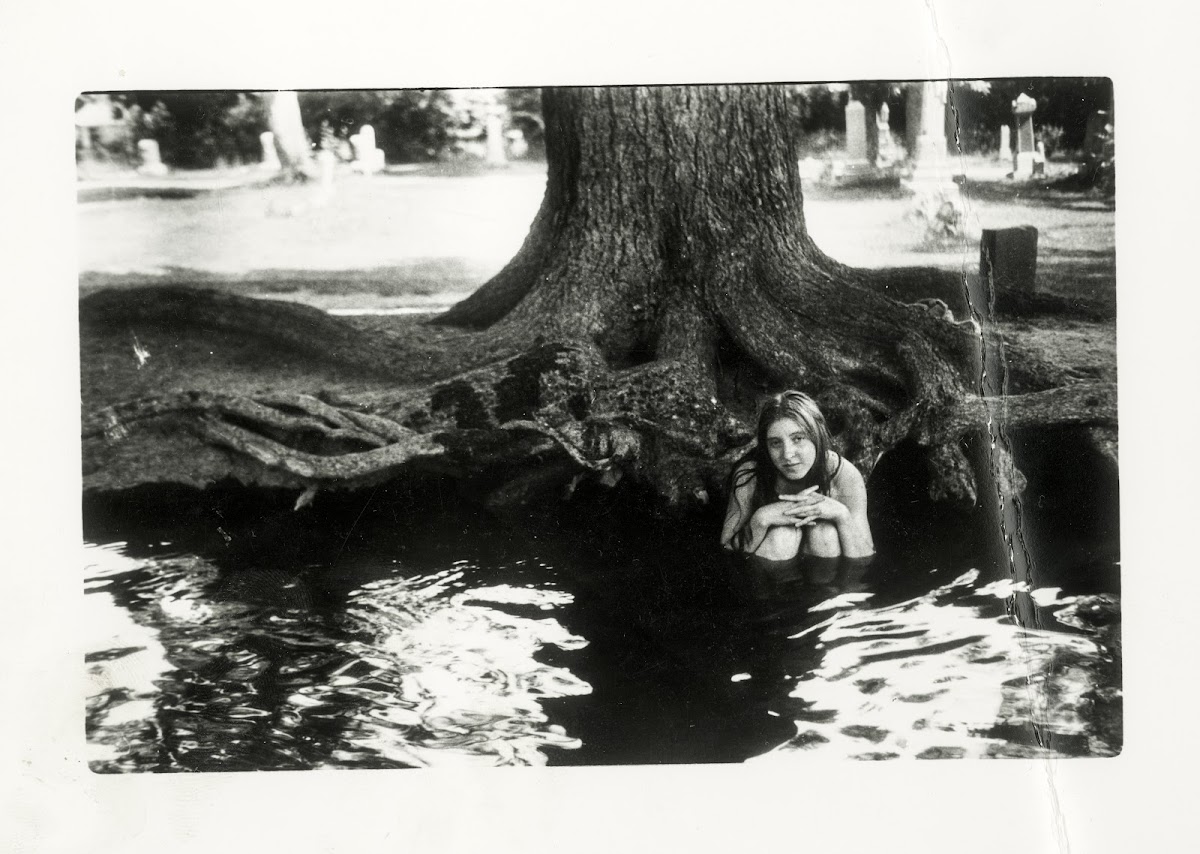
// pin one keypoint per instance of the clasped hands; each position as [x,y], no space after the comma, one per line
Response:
[802,509]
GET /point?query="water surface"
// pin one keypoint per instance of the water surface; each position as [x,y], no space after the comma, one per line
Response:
[469,646]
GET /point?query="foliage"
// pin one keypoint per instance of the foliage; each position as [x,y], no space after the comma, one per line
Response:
[1102,169]
[207,129]
[821,142]
[410,124]
[980,108]
[1107,170]
[239,128]
[1062,102]
[1052,139]
[818,106]
[421,124]
[525,115]
[196,129]
[978,140]
[941,212]
[115,143]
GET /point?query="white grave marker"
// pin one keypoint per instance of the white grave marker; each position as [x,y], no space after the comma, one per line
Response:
[151,159]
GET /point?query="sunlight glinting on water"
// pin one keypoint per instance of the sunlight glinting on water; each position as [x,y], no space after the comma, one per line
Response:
[194,668]
[932,677]
[465,678]
[425,675]
[124,662]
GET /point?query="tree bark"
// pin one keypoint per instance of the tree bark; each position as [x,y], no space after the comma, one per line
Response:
[667,282]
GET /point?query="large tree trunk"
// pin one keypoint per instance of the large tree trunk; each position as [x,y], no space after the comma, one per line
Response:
[291,141]
[667,281]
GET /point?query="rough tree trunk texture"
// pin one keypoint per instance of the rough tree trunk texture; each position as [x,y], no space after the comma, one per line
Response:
[666,283]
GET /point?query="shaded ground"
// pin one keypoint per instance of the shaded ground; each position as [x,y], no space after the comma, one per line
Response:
[418,241]
[421,239]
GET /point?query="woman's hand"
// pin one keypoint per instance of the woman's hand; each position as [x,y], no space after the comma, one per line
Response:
[792,511]
[810,506]
[774,515]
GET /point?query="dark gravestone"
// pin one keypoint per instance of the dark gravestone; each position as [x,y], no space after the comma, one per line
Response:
[1008,258]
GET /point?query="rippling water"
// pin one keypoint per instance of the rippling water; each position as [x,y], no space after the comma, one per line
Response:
[191,671]
[479,660]
[950,674]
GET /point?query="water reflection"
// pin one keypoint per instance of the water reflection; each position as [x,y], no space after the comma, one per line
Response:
[948,673]
[377,661]
[191,668]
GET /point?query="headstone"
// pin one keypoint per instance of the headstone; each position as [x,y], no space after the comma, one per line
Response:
[1023,110]
[517,146]
[367,158]
[366,138]
[1008,258]
[1005,150]
[938,199]
[1039,158]
[270,157]
[929,147]
[151,159]
[856,133]
[883,128]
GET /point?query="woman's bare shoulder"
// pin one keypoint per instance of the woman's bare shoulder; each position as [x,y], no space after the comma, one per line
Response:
[744,475]
[846,475]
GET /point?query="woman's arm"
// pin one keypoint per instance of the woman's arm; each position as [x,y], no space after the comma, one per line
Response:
[739,514]
[846,509]
[854,531]
[741,496]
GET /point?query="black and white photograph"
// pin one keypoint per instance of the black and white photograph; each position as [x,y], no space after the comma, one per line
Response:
[599,425]
[638,427]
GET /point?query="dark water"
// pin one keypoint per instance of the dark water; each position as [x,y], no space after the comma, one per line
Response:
[471,643]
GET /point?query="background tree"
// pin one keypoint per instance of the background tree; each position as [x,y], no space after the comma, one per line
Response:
[667,281]
[419,124]
[291,140]
[198,130]
[410,124]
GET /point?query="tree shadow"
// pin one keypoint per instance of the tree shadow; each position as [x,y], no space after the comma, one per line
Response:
[422,280]
[1048,193]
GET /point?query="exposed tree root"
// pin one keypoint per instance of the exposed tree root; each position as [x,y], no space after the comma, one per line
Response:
[667,282]
[535,423]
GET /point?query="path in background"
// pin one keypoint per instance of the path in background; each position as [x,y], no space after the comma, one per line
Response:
[420,242]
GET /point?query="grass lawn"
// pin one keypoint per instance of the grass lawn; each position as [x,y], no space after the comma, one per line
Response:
[419,240]
[424,240]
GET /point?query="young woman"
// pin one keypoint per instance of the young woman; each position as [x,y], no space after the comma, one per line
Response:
[793,494]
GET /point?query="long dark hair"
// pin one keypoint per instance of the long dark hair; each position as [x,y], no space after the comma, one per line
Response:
[756,463]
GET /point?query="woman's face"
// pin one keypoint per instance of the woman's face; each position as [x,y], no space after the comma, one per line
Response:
[790,448]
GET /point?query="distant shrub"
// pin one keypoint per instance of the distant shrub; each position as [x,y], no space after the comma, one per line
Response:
[413,125]
[196,130]
[941,213]
[977,139]
[1052,139]
[1104,167]
[821,142]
